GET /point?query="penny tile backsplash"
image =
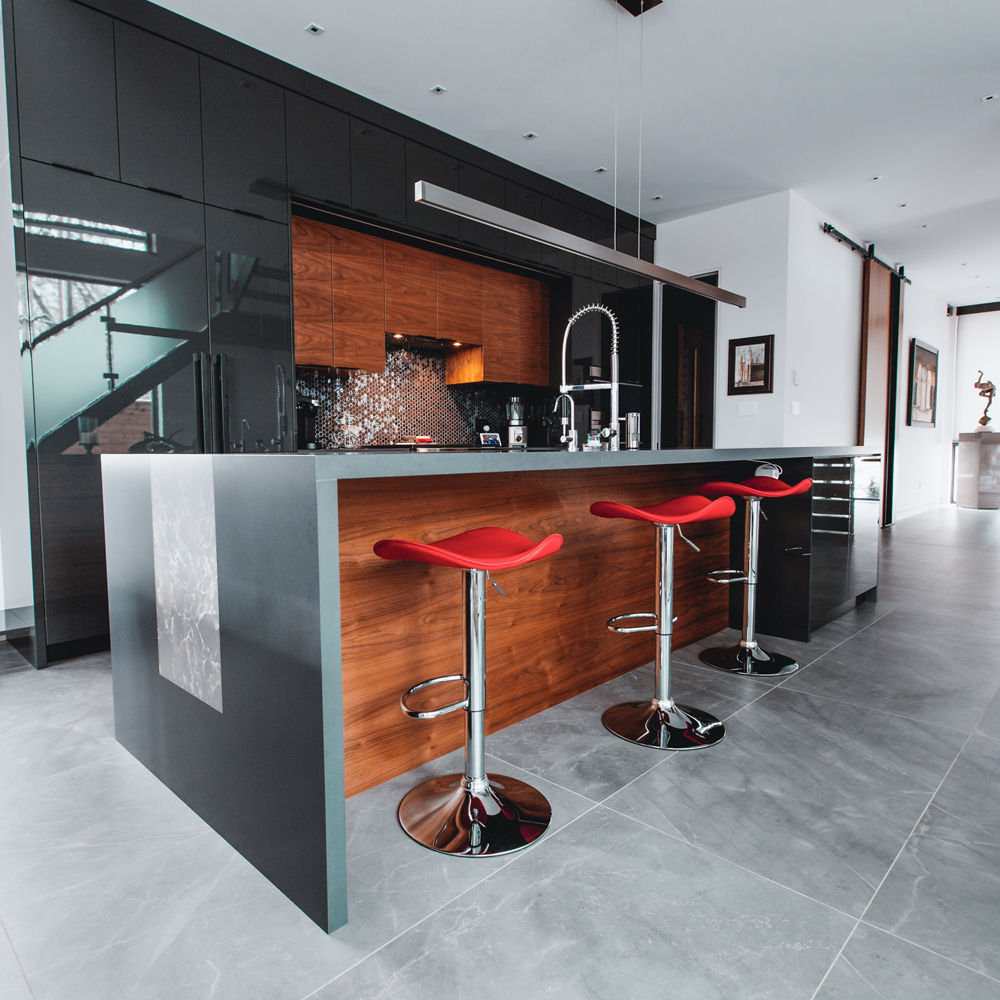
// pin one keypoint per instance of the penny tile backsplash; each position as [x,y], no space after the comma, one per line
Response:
[410,397]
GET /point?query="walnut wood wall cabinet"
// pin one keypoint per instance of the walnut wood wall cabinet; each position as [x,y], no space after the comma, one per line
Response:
[352,288]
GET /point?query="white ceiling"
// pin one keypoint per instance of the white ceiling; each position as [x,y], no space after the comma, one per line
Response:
[738,99]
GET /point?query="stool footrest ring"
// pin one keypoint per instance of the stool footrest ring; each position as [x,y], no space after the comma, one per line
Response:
[434,713]
[613,626]
[726,576]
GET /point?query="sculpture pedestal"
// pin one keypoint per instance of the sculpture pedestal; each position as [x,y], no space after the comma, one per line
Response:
[978,471]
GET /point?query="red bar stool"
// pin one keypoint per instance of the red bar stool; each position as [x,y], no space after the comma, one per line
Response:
[471,813]
[661,722]
[748,657]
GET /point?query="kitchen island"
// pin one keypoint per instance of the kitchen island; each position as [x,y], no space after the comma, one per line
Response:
[259,648]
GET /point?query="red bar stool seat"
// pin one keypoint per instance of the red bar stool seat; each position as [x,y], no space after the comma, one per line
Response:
[748,657]
[472,813]
[661,722]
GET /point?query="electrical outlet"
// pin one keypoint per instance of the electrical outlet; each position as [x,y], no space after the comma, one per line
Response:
[796,408]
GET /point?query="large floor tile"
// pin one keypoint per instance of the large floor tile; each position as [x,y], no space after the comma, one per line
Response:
[943,892]
[969,791]
[878,966]
[609,908]
[810,792]
[13,985]
[989,724]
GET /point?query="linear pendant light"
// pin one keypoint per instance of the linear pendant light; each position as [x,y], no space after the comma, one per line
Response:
[461,205]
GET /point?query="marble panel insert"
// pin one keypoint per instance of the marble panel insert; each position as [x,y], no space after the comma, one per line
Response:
[186,575]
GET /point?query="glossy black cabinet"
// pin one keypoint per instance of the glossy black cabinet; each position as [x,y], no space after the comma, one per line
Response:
[378,173]
[423,164]
[560,216]
[527,203]
[159,113]
[251,342]
[243,138]
[66,85]
[489,188]
[319,151]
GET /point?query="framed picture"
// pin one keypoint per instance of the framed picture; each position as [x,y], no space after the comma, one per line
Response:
[923,384]
[751,365]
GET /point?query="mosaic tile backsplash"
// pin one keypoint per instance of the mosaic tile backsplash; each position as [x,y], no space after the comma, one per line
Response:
[410,397]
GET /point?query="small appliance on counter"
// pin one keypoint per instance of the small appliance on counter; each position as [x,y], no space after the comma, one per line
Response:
[517,429]
[306,411]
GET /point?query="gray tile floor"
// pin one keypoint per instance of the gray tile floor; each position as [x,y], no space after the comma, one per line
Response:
[843,842]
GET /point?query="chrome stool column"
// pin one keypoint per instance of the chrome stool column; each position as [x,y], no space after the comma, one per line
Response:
[472,813]
[661,722]
[748,656]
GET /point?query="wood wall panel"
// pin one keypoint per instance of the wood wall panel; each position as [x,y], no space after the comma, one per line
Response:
[546,641]
[358,300]
[312,284]
[460,300]
[500,328]
[410,290]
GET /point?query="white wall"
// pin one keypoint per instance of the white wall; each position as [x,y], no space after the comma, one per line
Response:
[15,553]
[923,454]
[823,332]
[978,347]
[747,244]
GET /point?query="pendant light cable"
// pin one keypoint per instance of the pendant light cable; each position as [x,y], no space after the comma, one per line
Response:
[614,168]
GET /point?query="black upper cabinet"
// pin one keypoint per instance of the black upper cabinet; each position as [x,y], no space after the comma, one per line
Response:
[559,215]
[378,172]
[159,113]
[249,286]
[423,164]
[319,151]
[66,85]
[488,188]
[243,136]
[527,203]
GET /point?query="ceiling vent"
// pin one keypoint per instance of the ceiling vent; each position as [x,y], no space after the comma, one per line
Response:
[637,7]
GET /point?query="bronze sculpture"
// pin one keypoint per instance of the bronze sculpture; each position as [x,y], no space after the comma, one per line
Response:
[988,390]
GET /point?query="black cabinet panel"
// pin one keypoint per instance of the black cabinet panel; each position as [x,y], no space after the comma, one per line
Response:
[243,136]
[559,215]
[423,164]
[66,85]
[378,173]
[489,188]
[319,151]
[159,113]
[527,203]
[250,305]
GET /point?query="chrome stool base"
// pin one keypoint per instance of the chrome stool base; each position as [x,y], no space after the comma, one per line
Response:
[750,661]
[665,725]
[446,814]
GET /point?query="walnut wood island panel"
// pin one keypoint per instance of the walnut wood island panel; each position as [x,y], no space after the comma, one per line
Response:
[259,647]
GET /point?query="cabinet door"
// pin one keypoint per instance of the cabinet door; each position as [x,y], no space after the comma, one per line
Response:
[423,164]
[488,188]
[500,307]
[527,203]
[250,327]
[560,216]
[66,85]
[533,332]
[378,173]
[359,321]
[460,300]
[243,136]
[410,291]
[159,113]
[319,151]
[312,284]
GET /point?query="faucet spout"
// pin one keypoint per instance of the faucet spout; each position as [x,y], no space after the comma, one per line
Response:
[568,436]
[610,432]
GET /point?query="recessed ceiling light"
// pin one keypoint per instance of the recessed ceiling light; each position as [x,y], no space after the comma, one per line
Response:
[397,336]
[314,29]
[456,343]
[877,177]
[902,204]
[657,197]
[600,170]
[923,225]
[986,98]
[530,135]
[439,88]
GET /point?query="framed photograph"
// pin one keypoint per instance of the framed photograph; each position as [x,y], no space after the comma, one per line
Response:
[923,384]
[751,365]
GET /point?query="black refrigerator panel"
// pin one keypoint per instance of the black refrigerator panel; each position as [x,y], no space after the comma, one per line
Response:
[243,138]
[423,164]
[66,85]
[319,151]
[115,296]
[250,370]
[159,113]
[378,173]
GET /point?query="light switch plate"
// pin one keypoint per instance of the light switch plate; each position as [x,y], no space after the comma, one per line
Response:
[747,408]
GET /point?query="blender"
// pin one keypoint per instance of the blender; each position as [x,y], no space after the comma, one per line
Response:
[517,431]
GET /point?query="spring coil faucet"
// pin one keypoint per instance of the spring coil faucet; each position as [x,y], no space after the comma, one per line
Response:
[609,433]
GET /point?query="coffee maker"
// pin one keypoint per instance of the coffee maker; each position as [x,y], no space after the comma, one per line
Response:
[306,411]
[517,430]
